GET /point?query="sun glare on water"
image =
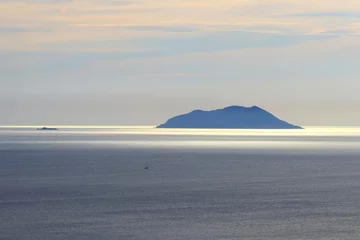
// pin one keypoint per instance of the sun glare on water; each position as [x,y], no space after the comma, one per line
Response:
[152,130]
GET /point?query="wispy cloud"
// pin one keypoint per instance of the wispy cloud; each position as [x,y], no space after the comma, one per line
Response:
[99,2]
[21,30]
[223,40]
[172,74]
[209,48]
[326,14]
[176,29]
[38,1]
[116,2]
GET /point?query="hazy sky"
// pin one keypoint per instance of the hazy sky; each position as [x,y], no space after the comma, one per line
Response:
[111,62]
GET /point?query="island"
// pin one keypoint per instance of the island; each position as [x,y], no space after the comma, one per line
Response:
[48,129]
[233,117]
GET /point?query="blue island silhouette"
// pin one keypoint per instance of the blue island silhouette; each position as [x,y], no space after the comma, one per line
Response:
[233,117]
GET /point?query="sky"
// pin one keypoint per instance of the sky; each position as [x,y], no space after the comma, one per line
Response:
[139,62]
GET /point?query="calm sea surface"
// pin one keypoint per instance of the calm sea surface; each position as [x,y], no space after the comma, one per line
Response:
[90,183]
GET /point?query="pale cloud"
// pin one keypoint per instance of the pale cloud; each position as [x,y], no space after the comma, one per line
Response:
[350,14]
[166,13]
[175,74]
[178,55]
[176,29]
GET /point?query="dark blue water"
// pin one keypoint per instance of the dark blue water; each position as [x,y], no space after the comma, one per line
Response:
[91,184]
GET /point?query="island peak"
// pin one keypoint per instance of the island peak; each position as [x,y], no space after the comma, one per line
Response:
[231,117]
[47,129]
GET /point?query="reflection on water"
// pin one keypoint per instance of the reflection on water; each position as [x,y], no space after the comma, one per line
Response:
[345,138]
[90,183]
[151,130]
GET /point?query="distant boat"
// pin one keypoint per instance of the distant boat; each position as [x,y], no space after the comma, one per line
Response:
[49,129]
[146,166]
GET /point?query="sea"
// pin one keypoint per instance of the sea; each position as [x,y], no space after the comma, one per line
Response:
[91,183]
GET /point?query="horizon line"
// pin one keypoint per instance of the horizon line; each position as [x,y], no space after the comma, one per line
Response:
[147,126]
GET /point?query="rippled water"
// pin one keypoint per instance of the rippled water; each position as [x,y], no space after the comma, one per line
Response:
[90,183]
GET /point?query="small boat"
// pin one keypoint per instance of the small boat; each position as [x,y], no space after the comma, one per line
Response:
[146,166]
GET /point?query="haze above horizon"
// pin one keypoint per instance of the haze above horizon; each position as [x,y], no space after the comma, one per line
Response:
[116,62]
